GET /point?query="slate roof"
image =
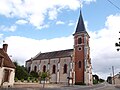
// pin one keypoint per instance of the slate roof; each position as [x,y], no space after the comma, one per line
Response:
[54,54]
[80,26]
[7,61]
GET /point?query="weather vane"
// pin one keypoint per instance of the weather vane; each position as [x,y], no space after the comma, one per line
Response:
[80,2]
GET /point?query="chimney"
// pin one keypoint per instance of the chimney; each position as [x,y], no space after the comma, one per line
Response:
[5,47]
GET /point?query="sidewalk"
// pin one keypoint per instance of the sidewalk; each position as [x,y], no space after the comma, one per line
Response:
[36,85]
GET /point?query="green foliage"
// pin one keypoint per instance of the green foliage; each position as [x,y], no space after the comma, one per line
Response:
[101,80]
[34,74]
[95,81]
[20,72]
[96,77]
[33,79]
[36,80]
[28,79]
[22,80]
[16,79]
[43,75]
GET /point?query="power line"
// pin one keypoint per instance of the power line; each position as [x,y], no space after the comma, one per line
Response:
[113,4]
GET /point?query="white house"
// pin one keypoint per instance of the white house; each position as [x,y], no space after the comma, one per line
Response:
[7,68]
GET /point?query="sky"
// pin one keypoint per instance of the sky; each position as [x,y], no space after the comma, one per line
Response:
[33,26]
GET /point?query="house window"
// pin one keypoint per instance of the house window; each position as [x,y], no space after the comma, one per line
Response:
[80,40]
[35,68]
[44,68]
[6,75]
[54,69]
[65,68]
[79,64]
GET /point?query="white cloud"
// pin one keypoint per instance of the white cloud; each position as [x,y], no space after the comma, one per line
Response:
[103,50]
[60,22]
[22,48]
[35,11]
[53,14]
[71,23]
[1,35]
[11,28]
[20,22]
[89,1]
[102,45]
[43,26]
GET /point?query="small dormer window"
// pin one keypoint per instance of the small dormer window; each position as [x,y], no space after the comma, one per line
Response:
[79,40]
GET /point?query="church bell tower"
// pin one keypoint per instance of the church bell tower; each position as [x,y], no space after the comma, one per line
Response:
[83,73]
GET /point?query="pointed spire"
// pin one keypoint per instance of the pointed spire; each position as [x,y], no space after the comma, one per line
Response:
[80,26]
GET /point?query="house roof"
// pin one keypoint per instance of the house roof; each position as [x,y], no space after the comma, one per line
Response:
[54,54]
[7,61]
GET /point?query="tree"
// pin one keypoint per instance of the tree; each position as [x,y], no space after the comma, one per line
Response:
[101,80]
[20,72]
[95,79]
[44,76]
[34,74]
[109,79]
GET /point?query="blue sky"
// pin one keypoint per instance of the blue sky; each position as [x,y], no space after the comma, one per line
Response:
[33,26]
[94,13]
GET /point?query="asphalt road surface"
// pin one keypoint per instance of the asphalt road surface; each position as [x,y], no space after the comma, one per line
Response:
[103,86]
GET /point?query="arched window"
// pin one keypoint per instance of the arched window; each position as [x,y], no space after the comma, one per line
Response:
[35,68]
[65,68]
[79,64]
[29,69]
[54,69]
[80,40]
[44,68]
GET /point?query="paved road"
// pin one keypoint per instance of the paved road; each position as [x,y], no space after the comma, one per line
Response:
[103,86]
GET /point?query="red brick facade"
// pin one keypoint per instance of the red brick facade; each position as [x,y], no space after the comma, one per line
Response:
[79,56]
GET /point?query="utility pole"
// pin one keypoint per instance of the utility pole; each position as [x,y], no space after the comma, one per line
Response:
[113,74]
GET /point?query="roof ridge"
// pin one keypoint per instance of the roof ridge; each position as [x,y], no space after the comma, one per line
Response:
[57,51]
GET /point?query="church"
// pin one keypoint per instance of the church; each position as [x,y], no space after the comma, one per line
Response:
[73,65]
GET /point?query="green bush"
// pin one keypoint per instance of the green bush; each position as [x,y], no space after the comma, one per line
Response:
[22,80]
[16,79]
[34,74]
[33,79]
[36,80]
[101,80]
[28,79]
[95,81]
[20,72]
